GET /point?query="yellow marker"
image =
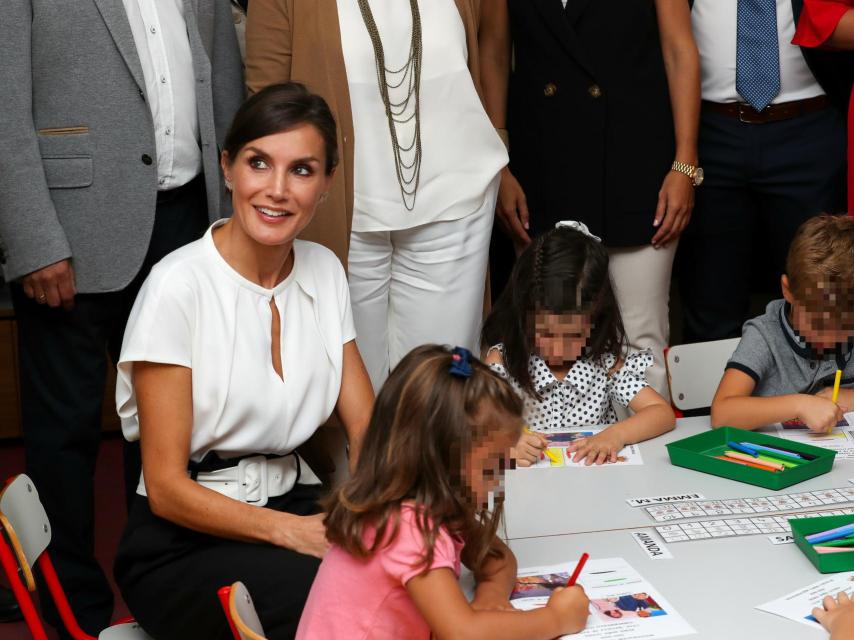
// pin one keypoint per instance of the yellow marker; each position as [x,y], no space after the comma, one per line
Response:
[836,385]
[554,456]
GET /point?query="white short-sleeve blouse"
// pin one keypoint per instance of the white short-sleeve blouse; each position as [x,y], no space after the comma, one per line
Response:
[195,311]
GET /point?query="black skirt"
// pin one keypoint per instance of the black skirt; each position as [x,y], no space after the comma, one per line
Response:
[169,575]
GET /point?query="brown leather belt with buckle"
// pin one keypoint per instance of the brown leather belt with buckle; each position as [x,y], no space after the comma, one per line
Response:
[771,113]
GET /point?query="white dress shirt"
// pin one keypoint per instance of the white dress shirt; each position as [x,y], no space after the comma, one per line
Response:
[462,153]
[195,311]
[160,35]
[715,30]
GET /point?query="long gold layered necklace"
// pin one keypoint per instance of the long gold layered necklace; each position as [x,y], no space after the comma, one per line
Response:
[405,110]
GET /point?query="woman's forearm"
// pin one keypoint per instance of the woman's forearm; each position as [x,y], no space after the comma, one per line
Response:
[494,46]
[188,504]
[682,66]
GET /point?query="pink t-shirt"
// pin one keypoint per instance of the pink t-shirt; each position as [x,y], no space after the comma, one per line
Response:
[356,598]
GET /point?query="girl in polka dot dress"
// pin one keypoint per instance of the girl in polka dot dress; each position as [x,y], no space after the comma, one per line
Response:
[556,335]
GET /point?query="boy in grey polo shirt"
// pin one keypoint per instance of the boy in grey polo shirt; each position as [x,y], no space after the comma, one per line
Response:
[785,365]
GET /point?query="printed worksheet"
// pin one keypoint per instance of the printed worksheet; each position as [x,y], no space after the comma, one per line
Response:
[685,531]
[623,606]
[840,439]
[558,454]
[780,502]
[798,605]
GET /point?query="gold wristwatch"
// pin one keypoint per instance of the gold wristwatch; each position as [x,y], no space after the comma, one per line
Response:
[695,173]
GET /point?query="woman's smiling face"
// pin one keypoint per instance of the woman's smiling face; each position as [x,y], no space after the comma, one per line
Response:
[277,182]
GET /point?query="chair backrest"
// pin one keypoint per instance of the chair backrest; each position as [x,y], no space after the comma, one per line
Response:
[126,631]
[26,524]
[243,613]
[695,371]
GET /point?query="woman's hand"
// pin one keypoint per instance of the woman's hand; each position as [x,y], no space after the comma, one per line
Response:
[675,203]
[598,449]
[529,448]
[512,210]
[303,534]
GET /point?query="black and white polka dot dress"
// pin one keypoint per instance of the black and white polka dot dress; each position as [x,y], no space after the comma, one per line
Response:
[584,397]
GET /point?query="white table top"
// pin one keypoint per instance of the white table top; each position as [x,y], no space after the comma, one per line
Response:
[713,584]
[548,502]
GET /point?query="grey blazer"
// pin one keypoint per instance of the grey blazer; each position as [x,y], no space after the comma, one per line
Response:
[77,139]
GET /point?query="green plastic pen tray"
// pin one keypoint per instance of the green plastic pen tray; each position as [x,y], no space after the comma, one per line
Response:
[697,453]
[824,562]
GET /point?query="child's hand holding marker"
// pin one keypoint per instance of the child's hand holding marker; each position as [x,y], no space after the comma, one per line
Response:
[599,449]
[821,411]
[530,448]
[571,606]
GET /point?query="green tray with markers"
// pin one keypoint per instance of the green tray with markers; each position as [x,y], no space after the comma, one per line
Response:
[824,562]
[698,452]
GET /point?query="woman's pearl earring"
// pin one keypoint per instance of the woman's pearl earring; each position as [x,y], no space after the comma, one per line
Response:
[229,186]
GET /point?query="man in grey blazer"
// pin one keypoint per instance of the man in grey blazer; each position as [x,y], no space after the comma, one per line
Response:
[113,114]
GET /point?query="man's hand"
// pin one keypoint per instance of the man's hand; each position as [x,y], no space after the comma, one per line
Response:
[52,285]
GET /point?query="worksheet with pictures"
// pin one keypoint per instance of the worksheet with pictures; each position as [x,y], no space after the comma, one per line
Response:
[798,605]
[558,453]
[741,506]
[840,439]
[685,531]
[623,605]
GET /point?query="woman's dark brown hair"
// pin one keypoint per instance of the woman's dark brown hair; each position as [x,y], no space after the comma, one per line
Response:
[281,107]
[425,421]
[561,272]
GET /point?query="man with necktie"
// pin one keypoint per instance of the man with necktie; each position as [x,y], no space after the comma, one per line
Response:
[772,144]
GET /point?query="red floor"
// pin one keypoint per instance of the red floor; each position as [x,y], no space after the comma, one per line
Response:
[109,516]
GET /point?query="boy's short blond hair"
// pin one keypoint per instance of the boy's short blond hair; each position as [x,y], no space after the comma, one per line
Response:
[820,264]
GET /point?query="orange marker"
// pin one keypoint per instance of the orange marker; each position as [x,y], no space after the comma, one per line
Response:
[746,458]
[746,464]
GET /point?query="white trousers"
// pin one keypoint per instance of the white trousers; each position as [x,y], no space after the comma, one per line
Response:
[641,281]
[419,285]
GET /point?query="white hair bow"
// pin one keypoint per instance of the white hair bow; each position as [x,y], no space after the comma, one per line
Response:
[578,226]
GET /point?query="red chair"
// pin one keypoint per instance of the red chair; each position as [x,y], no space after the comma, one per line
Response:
[23,544]
[240,612]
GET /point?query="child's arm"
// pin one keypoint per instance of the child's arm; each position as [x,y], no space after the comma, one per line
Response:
[734,406]
[438,597]
[652,417]
[837,616]
[495,580]
[531,443]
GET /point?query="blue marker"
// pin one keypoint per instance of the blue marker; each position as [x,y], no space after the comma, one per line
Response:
[832,534]
[743,448]
[780,452]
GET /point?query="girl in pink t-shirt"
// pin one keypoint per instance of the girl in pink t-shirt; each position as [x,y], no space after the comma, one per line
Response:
[416,507]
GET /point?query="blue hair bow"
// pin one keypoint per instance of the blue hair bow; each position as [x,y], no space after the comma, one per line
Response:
[461,363]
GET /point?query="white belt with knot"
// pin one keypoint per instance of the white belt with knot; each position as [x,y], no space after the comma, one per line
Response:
[255,479]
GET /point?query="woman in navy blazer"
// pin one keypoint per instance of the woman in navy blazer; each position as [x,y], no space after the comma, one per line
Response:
[604,97]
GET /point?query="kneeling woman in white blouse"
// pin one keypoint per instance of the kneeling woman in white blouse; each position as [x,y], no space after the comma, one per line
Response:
[240,345]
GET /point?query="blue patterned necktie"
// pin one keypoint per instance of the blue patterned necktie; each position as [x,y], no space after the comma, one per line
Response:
[757,67]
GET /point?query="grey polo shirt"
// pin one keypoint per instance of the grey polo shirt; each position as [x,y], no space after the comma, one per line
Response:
[780,361]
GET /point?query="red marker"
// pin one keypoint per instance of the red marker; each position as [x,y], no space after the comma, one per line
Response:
[578,568]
